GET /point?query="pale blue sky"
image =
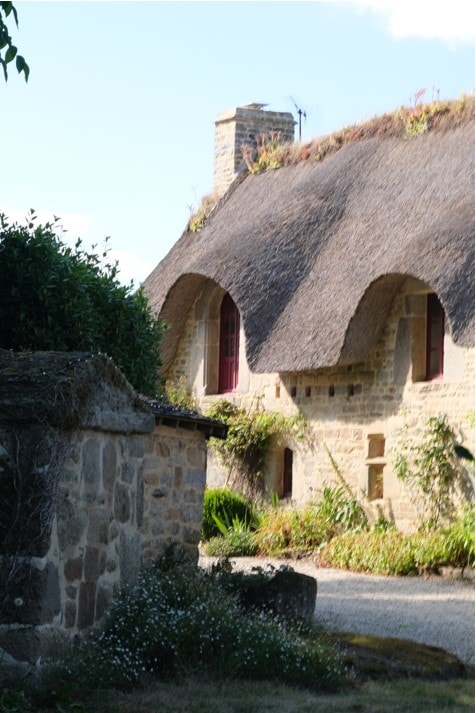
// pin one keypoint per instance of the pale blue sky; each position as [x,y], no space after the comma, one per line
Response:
[114,131]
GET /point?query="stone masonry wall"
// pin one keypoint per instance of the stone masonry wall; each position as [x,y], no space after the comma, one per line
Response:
[174,478]
[354,412]
[120,497]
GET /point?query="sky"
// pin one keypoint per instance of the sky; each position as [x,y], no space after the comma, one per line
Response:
[114,131]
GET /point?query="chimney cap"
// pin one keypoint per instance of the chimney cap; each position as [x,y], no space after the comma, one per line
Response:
[254,105]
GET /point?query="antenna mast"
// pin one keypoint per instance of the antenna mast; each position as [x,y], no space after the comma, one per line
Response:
[301,113]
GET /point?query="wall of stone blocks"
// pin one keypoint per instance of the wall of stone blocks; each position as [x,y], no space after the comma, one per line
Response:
[174,479]
[118,499]
[350,410]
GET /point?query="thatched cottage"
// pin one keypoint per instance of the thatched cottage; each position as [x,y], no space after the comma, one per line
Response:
[340,286]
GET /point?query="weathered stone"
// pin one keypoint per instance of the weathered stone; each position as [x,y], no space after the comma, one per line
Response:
[173,528]
[71,591]
[71,522]
[140,501]
[166,479]
[111,564]
[162,449]
[86,604]
[158,528]
[73,568]
[91,564]
[12,671]
[190,496]
[98,530]
[288,593]
[135,447]
[130,547]
[128,472]
[196,457]
[178,476]
[69,614]
[21,644]
[109,466]
[51,604]
[113,530]
[122,503]
[91,462]
[102,562]
[196,477]
[192,513]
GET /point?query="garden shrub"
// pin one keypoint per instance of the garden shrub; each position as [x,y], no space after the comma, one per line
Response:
[58,298]
[181,620]
[226,505]
[390,552]
[285,530]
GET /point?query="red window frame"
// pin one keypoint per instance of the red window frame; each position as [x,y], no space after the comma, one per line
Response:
[229,346]
[435,335]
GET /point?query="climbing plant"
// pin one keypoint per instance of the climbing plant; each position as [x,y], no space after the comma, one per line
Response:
[431,470]
[249,437]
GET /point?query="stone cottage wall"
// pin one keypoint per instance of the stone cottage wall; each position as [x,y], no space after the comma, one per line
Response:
[354,412]
[174,478]
[107,500]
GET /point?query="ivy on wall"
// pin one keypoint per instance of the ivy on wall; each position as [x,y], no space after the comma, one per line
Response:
[249,438]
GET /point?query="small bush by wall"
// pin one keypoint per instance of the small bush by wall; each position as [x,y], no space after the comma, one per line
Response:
[226,505]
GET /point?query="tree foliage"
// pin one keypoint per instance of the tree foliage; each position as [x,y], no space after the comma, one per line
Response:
[8,51]
[58,298]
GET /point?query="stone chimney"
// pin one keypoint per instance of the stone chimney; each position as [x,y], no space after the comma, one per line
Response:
[239,127]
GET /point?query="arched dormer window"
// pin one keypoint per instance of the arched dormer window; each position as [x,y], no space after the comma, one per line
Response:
[229,345]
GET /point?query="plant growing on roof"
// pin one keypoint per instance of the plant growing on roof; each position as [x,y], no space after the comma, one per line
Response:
[269,150]
[197,219]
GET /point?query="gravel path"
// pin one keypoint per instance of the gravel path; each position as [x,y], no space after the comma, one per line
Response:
[435,611]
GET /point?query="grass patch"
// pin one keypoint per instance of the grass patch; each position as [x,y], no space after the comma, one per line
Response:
[201,696]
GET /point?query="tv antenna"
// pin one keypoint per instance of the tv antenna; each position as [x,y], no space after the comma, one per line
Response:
[301,114]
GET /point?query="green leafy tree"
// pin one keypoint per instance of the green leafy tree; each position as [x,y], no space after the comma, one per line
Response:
[58,298]
[8,51]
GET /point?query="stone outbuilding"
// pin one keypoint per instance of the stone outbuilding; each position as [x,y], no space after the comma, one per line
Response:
[94,482]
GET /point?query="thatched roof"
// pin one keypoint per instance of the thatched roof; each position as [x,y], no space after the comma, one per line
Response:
[313,254]
[66,389]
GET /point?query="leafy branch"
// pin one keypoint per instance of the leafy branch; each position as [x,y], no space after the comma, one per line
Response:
[8,51]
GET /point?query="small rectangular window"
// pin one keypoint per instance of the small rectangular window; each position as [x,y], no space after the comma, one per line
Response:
[435,335]
[375,485]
